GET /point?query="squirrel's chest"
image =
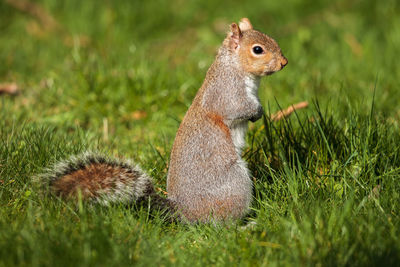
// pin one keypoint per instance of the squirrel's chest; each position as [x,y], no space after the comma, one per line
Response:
[238,133]
[251,87]
[238,129]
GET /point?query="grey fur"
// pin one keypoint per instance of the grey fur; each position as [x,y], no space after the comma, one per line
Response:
[207,179]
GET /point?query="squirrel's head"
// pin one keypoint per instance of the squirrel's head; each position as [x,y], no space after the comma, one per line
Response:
[258,53]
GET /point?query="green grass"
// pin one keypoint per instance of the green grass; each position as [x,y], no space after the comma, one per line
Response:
[327,188]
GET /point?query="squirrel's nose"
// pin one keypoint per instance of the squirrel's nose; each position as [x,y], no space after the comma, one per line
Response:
[284,61]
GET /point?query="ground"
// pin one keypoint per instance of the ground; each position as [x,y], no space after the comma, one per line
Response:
[118,76]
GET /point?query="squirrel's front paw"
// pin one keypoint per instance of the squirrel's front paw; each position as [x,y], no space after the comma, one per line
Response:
[258,114]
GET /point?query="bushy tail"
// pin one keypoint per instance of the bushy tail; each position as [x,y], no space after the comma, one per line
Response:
[98,178]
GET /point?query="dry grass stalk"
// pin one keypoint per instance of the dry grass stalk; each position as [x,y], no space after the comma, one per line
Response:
[287,112]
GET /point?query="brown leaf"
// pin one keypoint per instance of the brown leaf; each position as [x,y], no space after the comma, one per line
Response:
[138,114]
[9,88]
[159,189]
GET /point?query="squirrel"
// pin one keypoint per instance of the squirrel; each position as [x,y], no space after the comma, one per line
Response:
[207,178]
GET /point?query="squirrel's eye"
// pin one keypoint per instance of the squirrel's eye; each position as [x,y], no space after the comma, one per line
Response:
[257,50]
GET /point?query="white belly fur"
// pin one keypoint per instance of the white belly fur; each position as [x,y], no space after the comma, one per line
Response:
[238,134]
[252,83]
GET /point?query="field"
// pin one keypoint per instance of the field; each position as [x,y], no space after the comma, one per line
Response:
[118,77]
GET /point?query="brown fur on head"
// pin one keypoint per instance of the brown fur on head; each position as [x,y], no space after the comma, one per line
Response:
[258,53]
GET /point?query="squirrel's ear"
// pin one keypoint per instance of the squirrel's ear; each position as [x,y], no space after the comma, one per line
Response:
[245,24]
[234,36]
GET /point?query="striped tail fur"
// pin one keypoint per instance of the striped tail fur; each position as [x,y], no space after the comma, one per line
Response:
[97,178]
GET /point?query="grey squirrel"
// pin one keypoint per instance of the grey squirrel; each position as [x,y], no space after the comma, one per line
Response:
[207,178]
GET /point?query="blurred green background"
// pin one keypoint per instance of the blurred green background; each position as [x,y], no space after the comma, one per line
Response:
[124,60]
[118,76]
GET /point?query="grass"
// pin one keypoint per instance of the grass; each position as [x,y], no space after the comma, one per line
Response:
[118,76]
